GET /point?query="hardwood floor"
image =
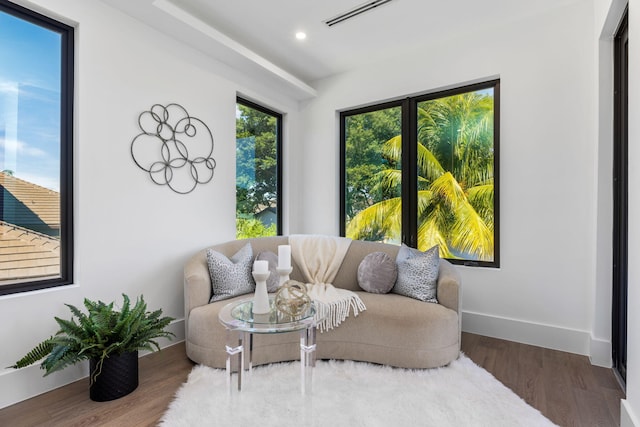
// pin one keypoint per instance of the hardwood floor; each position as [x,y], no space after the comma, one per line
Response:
[563,386]
[161,374]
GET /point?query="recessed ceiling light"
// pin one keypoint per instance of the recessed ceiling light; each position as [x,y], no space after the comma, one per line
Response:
[301,35]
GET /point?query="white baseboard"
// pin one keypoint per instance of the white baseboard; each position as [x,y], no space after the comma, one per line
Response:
[538,334]
[627,416]
[600,352]
[25,383]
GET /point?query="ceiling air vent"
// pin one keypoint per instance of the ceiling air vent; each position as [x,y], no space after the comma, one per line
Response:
[355,12]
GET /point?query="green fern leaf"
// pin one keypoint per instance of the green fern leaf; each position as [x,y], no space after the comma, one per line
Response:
[39,352]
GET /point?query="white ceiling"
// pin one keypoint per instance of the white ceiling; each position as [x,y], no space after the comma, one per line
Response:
[257,37]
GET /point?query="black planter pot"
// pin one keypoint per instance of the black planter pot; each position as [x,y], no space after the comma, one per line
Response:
[118,377]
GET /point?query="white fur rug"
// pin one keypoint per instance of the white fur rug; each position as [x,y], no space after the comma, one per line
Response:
[352,394]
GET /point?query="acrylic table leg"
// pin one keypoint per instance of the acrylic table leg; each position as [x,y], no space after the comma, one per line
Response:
[248,336]
[307,358]
[234,347]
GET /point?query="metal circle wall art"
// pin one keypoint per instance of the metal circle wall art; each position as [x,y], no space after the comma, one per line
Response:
[174,148]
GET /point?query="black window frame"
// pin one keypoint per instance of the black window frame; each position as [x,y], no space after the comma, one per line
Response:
[66,148]
[409,189]
[279,120]
[620,199]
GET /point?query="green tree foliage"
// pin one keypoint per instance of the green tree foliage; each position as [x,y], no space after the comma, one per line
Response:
[247,228]
[367,159]
[256,162]
[455,184]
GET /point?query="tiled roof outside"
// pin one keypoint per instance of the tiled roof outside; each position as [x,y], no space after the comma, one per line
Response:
[29,205]
[29,226]
[27,254]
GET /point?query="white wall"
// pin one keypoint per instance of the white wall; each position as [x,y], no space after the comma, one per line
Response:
[544,290]
[131,236]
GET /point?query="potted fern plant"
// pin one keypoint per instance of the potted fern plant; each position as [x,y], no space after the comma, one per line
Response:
[109,338]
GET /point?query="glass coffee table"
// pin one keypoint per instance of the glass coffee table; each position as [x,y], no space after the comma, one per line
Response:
[241,323]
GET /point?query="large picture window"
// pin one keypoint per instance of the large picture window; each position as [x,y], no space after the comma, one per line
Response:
[258,170]
[36,95]
[424,171]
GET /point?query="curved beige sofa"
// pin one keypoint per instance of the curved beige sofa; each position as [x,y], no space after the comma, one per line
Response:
[394,330]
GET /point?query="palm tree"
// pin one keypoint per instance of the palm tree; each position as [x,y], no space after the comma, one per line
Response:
[455,184]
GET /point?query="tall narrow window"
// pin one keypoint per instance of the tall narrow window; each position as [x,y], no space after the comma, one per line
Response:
[423,172]
[36,94]
[258,170]
[620,200]
[373,174]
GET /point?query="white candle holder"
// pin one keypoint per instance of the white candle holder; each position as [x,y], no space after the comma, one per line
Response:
[284,274]
[261,297]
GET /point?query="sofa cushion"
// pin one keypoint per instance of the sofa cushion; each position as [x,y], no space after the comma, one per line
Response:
[417,273]
[230,277]
[273,282]
[377,273]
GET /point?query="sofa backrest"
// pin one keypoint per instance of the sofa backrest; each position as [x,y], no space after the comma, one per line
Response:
[258,244]
[347,277]
[197,280]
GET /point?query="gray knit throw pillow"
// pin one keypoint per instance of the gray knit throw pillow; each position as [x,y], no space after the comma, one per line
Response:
[417,273]
[231,277]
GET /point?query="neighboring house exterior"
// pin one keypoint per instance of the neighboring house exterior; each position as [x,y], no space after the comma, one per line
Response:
[29,230]
[267,216]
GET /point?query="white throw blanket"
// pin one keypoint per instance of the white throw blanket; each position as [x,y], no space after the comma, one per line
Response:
[319,259]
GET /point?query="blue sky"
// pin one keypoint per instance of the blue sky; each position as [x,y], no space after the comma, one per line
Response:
[30,101]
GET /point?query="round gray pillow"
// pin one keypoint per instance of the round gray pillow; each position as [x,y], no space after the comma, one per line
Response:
[377,273]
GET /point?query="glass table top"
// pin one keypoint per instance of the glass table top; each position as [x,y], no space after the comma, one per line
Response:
[239,315]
